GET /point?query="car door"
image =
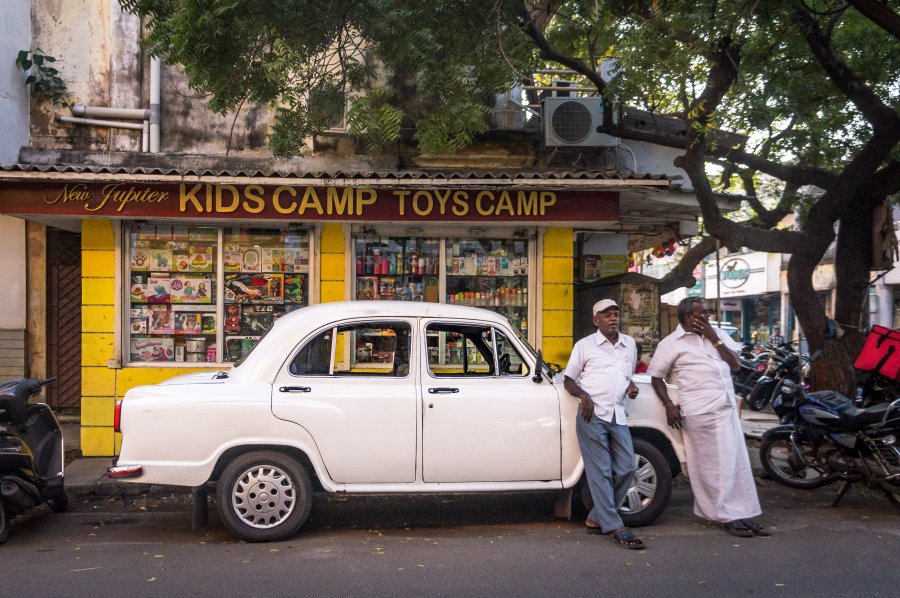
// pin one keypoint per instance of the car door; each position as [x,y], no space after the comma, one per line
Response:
[351,387]
[484,418]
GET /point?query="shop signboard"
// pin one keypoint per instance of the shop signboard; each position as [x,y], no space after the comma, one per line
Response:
[742,275]
[200,200]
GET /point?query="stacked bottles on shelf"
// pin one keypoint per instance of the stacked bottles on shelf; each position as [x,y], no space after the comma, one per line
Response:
[393,268]
[378,262]
[502,297]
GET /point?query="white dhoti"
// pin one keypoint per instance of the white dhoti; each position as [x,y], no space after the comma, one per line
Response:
[719,467]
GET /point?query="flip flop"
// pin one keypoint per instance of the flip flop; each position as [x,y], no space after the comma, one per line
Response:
[756,528]
[626,539]
[737,528]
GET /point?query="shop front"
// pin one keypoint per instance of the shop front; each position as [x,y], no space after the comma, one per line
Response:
[747,292]
[182,275]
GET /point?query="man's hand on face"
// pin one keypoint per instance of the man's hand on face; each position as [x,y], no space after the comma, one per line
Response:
[700,324]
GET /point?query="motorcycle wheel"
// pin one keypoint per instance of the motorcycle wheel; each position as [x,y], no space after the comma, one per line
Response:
[776,453]
[4,523]
[758,397]
[264,496]
[652,489]
[59,503]
[892,491]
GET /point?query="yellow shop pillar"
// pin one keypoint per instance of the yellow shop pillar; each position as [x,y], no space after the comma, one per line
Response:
[558,294]
[332,264]
[98,381]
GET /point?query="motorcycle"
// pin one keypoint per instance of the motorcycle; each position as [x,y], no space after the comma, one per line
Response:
[31,453]
[753,366]
[824,438]
[783,364]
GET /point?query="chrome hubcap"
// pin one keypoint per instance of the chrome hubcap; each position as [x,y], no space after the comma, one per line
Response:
[641,493]
[263,497]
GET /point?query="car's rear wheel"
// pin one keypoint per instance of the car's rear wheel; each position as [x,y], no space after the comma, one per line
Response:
[651,491]
[264,496]
[4,523]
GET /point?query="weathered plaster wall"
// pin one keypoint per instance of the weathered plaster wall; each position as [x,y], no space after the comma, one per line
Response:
[101,60]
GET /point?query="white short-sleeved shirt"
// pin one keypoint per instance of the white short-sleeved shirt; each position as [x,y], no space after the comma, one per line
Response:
[703,377]
[604,371]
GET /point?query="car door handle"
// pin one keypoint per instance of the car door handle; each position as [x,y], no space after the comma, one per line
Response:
[294,389]
[442,389]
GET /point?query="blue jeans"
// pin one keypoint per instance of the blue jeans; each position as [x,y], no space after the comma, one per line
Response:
[609,464]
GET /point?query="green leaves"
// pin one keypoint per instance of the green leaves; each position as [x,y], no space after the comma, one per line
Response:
[44,80]
[437,62]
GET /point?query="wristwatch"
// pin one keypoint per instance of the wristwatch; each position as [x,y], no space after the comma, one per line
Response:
[719,343]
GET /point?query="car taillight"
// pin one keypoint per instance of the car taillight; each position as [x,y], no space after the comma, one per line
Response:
[117,419]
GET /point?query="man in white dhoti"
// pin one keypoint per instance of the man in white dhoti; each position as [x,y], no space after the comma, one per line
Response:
[702,358]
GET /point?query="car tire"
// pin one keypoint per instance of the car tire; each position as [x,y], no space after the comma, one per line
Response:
[60,502]
[650,494]
[264,496]
[4,523]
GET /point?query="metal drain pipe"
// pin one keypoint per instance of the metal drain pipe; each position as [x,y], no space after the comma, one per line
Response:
[96,116]
[155,77]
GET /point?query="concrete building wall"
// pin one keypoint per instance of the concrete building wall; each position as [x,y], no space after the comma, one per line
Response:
[100,58]
[15,35]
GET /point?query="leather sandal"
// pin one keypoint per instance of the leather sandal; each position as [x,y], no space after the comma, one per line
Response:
[625,538]
[737,528]
[592,527]
[756,528]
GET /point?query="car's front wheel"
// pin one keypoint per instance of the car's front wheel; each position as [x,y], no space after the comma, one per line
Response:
[651,491]
[264,496]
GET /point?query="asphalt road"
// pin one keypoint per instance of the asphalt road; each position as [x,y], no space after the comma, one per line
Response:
[458,546]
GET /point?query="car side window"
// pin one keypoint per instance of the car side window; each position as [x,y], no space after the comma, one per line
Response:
[369,348]
[509,360]
[460,350]
[314,359]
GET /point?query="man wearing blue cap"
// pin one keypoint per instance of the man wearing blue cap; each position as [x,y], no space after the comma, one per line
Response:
[599,374]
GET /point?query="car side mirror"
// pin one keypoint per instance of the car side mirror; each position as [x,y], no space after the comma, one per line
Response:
[539,368]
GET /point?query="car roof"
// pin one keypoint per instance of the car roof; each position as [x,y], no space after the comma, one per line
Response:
[292,328]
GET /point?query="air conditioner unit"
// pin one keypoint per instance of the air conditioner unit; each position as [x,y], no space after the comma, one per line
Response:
[573,122]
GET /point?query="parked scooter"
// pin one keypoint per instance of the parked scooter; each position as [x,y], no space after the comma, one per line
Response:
[31,453]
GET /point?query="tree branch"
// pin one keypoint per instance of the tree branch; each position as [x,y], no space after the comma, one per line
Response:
[530,28]
[844,78]
[880,14]
[682,275]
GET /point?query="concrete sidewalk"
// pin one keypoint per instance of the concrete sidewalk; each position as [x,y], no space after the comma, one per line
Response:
[85,476]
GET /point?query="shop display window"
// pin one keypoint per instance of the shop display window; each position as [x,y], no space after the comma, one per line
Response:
[266,276]
[172,315]
[182,308]
[489,273]
[398,269]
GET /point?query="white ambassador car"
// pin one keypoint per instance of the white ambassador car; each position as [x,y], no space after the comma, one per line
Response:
[379,398]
